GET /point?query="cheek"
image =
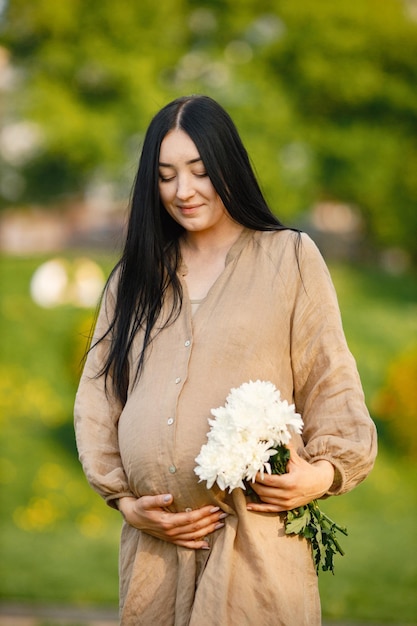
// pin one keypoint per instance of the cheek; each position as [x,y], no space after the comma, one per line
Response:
[220,208]
[164,196]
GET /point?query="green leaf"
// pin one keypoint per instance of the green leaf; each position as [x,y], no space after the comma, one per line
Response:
[279,460]
[310,522]
[297,520]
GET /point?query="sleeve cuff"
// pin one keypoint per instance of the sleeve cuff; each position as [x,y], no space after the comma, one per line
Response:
[113,500]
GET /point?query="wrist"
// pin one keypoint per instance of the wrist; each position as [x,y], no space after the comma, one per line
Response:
[124,504]
[327,473]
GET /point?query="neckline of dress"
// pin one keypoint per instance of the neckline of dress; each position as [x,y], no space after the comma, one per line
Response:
[196,301]
[236,247]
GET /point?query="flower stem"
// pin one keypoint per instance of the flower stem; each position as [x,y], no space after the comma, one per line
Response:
[315,507]
[327,523]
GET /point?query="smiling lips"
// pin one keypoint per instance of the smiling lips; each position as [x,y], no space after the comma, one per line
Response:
[189,208]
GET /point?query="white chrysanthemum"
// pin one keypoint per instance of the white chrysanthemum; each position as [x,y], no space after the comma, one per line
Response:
[207,467]
[257,459]
[244,434]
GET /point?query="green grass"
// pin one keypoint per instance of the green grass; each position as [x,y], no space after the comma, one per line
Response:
[59,541]
[377,577]
[380,318]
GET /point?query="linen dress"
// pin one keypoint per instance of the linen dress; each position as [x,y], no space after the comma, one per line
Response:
[271,315]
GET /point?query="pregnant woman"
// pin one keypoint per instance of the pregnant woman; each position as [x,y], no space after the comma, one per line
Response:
[213,291]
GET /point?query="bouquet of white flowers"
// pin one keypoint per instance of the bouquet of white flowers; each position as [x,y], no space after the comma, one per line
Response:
[249,435]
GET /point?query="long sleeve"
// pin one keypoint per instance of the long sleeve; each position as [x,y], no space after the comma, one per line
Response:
[96,415]
[327,388]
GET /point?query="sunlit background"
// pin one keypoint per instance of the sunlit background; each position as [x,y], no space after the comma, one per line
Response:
[324,95]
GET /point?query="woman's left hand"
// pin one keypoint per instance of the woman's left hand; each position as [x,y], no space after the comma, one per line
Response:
[303,483]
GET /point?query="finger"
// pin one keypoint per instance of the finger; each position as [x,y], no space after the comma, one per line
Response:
[200,518]
[271,491]
[200,544]
[273,480]
[156,502]
[200,537]
[188,525]
[194,545]
[204,511]
[198,529]
[280,482]
[295,459]
[293,450]
[165,499]
[183,535]
[283,498]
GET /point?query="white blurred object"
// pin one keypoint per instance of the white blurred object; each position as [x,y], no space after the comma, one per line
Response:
[59,281]
[87,284]
[20,141]
[49,283]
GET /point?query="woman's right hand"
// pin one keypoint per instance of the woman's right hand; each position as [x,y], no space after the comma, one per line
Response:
[188,529]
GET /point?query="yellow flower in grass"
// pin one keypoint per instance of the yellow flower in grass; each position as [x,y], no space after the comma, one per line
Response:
[91,524]
[41,514]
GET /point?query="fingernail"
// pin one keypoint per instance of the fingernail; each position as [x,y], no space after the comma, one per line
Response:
[205,547]
[215,509]
[223,515]
[219,525]
[167,498]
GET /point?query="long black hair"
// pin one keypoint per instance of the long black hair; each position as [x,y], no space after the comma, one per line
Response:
[148,265]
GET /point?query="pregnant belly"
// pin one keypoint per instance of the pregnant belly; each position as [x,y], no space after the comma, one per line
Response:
[159,459]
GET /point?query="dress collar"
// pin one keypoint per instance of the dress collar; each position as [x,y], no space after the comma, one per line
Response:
[235,249]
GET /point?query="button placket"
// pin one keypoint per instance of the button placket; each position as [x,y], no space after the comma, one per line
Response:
[182,364]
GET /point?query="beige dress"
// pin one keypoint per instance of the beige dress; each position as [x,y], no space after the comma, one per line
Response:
[267,317]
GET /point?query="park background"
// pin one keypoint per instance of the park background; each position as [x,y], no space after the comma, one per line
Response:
[324,95]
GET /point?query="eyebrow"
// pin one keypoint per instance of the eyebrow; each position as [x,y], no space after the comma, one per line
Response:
[190,162]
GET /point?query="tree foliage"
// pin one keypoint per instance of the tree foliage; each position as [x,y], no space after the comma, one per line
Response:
[322,92]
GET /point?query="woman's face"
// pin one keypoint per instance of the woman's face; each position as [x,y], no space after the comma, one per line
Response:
[186,190]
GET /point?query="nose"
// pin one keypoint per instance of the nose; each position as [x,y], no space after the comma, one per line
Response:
[185,188]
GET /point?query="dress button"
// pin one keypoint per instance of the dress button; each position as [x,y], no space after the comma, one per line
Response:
[187,343]
[172,469]
[177,380]
[170,421]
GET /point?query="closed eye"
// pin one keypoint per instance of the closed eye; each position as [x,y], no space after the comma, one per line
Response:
[165,179]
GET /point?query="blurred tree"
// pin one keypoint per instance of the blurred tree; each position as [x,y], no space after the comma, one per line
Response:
[323,93]
[88,82]
[351,71]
